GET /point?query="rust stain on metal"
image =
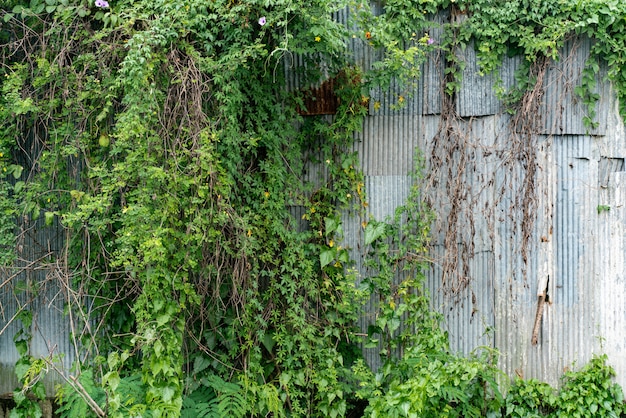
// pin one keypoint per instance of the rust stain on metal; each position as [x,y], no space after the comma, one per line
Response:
[321,100]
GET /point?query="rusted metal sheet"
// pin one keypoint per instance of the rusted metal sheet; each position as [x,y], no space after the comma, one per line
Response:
[320,100]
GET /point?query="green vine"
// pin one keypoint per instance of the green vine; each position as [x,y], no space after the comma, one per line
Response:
[538,28]
[161,138]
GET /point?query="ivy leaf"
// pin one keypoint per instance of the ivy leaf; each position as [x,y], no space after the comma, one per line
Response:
[49,216]
[373,231]
[331,225]
[327,256]
[16,170]
[168,393]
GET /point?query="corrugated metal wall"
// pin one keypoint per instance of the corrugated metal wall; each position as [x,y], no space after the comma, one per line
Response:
[576,246]
[35,283]
[576,249]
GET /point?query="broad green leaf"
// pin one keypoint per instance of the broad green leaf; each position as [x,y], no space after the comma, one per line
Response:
[330,225]
[168,393]
[21,369]
[16,170]
[163,319]
[268,341]
[327,257]
[200,363]
[373,231]
[49,216]
[284,379]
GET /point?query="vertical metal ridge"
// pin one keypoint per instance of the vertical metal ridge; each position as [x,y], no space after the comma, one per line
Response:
[562,109]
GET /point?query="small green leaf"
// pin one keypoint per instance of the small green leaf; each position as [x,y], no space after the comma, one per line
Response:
[284,379]
[330,225]
[327,257]
[373,231]
[163,319]
[77,195]
[39,390]
[16,170]
[49,216]
[19,185]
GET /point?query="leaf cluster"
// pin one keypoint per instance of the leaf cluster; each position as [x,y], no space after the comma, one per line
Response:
[588,392]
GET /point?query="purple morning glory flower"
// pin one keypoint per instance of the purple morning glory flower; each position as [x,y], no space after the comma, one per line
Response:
[430,41]
[102,4]
[262,21]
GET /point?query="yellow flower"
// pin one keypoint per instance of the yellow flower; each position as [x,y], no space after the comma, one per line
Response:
[400,99]
[317,39]
[331,243]
[249,232]
[267,194]
[376,105]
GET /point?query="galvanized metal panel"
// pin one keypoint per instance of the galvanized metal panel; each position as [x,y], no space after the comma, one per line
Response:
[561,108]
[468,316]
[387,145]
[36,284]
[433,70]
[611,297]
[385,195]
[477,95]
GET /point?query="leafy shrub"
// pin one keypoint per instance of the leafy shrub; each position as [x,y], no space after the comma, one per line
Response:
[588,392]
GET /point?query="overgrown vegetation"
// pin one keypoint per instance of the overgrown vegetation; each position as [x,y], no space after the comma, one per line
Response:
[160,137]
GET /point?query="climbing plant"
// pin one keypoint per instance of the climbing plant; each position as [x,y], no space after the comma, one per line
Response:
[161,137]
